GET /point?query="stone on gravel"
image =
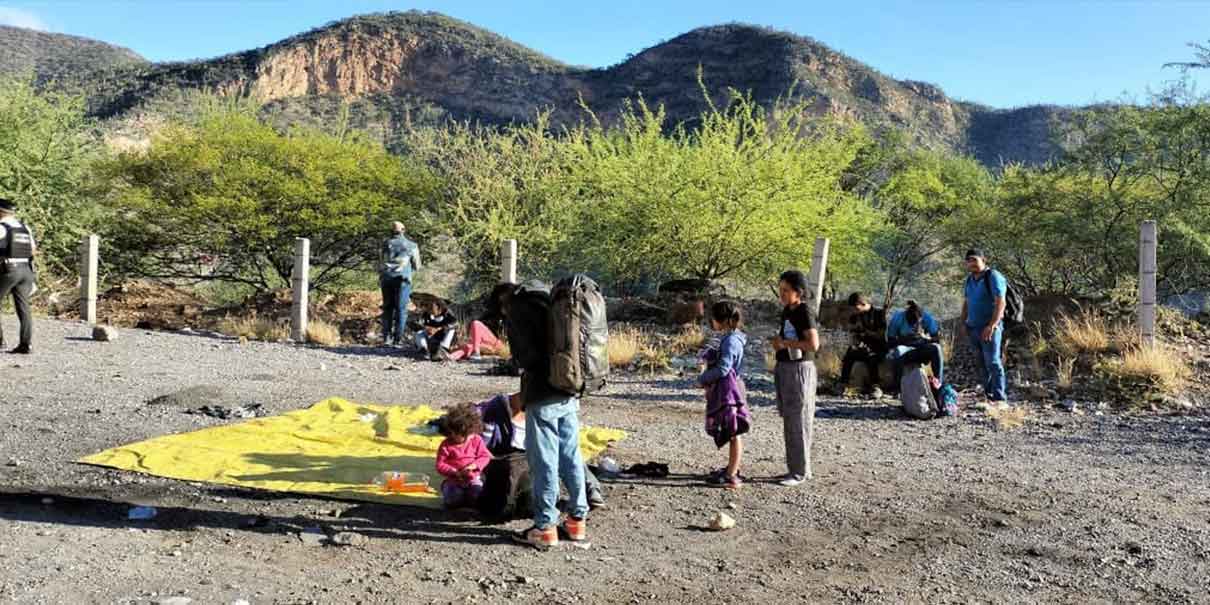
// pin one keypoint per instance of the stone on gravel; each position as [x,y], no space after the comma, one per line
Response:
[174,601]
[721,522]
[104,333]
[349,538]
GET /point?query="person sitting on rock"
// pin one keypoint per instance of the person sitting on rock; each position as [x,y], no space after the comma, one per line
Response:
[913,334]
[868,345]
[435,331]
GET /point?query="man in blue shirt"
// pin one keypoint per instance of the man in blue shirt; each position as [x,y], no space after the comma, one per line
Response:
[982,317]
[399,260]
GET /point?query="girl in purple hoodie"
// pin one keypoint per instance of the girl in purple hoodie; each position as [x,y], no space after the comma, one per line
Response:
[726,397]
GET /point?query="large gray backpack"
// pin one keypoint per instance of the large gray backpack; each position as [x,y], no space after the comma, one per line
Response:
[916,394]
[579,336]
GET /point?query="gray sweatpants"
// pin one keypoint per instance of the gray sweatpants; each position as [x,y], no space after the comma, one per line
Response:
[795,384]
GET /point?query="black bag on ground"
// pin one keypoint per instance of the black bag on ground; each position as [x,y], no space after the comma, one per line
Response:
[579,336]
[506,487]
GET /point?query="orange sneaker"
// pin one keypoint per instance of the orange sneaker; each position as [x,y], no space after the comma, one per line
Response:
[575,529]
[541,539]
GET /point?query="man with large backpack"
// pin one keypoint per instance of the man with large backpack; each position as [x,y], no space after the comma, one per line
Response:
[985,308]
[557,339]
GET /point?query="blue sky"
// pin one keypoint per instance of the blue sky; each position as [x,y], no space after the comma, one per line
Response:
[1001,53]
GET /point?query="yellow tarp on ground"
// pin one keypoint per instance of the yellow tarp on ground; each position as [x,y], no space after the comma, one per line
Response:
[333,448]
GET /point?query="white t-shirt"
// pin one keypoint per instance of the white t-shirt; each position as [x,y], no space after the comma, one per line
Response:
[518,436]
[12,221]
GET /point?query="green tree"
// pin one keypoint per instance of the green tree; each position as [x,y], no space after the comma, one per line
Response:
[499,184]
[46,151]
[225,198]
[923,197]
[742,195]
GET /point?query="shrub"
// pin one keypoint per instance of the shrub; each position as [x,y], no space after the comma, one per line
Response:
[626,344]
[255,328]
[225,199]
[1088,333]
[322,333]
[1158,365]
[1064,369]
[688,341]
[828,364]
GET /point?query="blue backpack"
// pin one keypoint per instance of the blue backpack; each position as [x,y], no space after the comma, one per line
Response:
[947,400]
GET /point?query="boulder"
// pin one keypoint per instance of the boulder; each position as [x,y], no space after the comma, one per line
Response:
[104,333]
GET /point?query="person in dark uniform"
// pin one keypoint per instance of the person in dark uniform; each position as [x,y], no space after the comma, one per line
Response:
[17,248]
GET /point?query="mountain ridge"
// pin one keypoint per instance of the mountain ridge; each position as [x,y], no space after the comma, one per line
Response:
[392,64]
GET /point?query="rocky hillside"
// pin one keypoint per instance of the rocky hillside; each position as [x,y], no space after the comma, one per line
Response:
[50,56]
[398,67]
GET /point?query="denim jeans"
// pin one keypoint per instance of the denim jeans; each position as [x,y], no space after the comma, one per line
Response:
[396,294]
[905,355]
[552,447]
[991,367]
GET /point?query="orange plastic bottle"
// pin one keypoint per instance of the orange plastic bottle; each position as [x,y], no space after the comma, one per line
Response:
[401,482]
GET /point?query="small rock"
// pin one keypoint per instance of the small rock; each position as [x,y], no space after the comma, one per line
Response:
[721,522]
[732,506]
[1134,548]
[14,462]
[240,602]
[525,580]
[392,368]
[48,501]
[104,333]
[175,601]
[348,538]
[176,553]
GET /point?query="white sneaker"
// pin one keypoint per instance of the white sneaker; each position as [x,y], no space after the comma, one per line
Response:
[791,481]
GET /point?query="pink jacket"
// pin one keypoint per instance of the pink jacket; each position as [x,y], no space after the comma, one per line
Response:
[452,457]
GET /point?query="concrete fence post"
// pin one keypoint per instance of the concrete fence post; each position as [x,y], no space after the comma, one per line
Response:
[300,282]
[508,261]
[819,266]
[1147,292]
[89,252]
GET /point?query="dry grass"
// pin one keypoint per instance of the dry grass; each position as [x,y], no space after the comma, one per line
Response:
[827,364]
[252,328]
[688,341]
[1064,368]
[503,351]
[1007,418]
[1164,368]
[626,344]
[1088,333]
[322,333]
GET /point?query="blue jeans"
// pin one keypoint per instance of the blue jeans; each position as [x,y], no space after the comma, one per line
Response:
[396,293]
[552,446]
[991,367]
[930,353]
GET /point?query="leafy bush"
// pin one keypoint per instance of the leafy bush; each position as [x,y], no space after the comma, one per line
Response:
[225,199]
[46,149]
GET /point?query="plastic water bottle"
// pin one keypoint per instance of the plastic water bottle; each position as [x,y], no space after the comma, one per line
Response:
[402,482]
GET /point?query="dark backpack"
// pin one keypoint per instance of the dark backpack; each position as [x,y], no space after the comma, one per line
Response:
[579,336]
[1014,303]
[506,487]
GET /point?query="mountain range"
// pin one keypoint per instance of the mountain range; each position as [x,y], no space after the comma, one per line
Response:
[394,69]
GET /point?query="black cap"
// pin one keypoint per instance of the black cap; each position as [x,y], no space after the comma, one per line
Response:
[6,203]
[974,253]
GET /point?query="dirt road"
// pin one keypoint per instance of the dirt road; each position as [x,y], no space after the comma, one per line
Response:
[1067,509]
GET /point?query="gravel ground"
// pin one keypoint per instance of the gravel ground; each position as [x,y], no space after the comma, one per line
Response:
[1069,508]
